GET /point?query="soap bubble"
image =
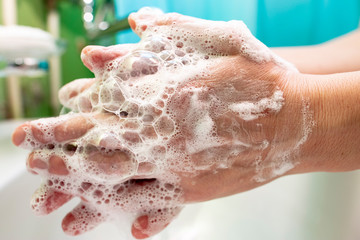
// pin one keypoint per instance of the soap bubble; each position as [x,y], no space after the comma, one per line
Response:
[156,44]
[139,63]
[110,96]
[129,110]
[166,55]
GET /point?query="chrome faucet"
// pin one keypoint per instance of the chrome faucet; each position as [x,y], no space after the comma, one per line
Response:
[100,20]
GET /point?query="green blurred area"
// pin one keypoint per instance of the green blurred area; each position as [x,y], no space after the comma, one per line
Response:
[72,30]
[2,82]
[35,91]
[3,96]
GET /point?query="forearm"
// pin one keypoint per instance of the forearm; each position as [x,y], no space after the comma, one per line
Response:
[338,55]
[334,144]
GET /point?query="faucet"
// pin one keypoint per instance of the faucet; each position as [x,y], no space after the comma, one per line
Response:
[99,19]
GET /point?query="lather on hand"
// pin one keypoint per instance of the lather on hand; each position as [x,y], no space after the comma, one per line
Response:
[196,110]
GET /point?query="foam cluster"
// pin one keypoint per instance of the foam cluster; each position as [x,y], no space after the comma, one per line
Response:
[148,115]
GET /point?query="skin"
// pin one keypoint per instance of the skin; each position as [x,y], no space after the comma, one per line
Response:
[330,73]
[339,55]
[332,144]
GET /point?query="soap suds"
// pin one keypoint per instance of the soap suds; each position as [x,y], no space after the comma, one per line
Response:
[253,110]
[147,120]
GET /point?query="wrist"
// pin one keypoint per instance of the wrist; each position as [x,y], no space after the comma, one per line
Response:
[333,144]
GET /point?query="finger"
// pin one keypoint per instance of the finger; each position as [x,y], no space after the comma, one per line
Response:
[148,17]
[32,134]
[34,163]
[45,200]
[81,219]
[96,57]
[118,163]
[139,21]
[43,162]
[18,135]
[51,130]
[72,128]
[57,166]
[71,95]
[154,222]
[214,37]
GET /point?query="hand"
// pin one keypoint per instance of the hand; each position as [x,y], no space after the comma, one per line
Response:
[197,110]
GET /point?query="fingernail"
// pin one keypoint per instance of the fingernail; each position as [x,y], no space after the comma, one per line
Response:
[36,162]
[131,21]
[67,225]
[141,224]
[138,234]
[18,136]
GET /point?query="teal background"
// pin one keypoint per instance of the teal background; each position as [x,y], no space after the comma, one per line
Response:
[304,22]
[274,22]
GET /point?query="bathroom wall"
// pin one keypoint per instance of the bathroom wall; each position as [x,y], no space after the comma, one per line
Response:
[72,30]
[225,10]
[305,22]
[274,22]
[35,90]
[3,110]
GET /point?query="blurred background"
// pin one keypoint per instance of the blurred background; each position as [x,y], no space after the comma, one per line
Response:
[29,85]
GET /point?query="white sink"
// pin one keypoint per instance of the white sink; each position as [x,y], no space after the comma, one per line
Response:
[304,207]
[26,42]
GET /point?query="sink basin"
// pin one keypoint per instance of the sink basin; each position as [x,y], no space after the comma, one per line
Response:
[27,42]
[310,206]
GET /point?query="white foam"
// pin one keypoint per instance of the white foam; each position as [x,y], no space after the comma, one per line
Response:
[162,121]
[253,110]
